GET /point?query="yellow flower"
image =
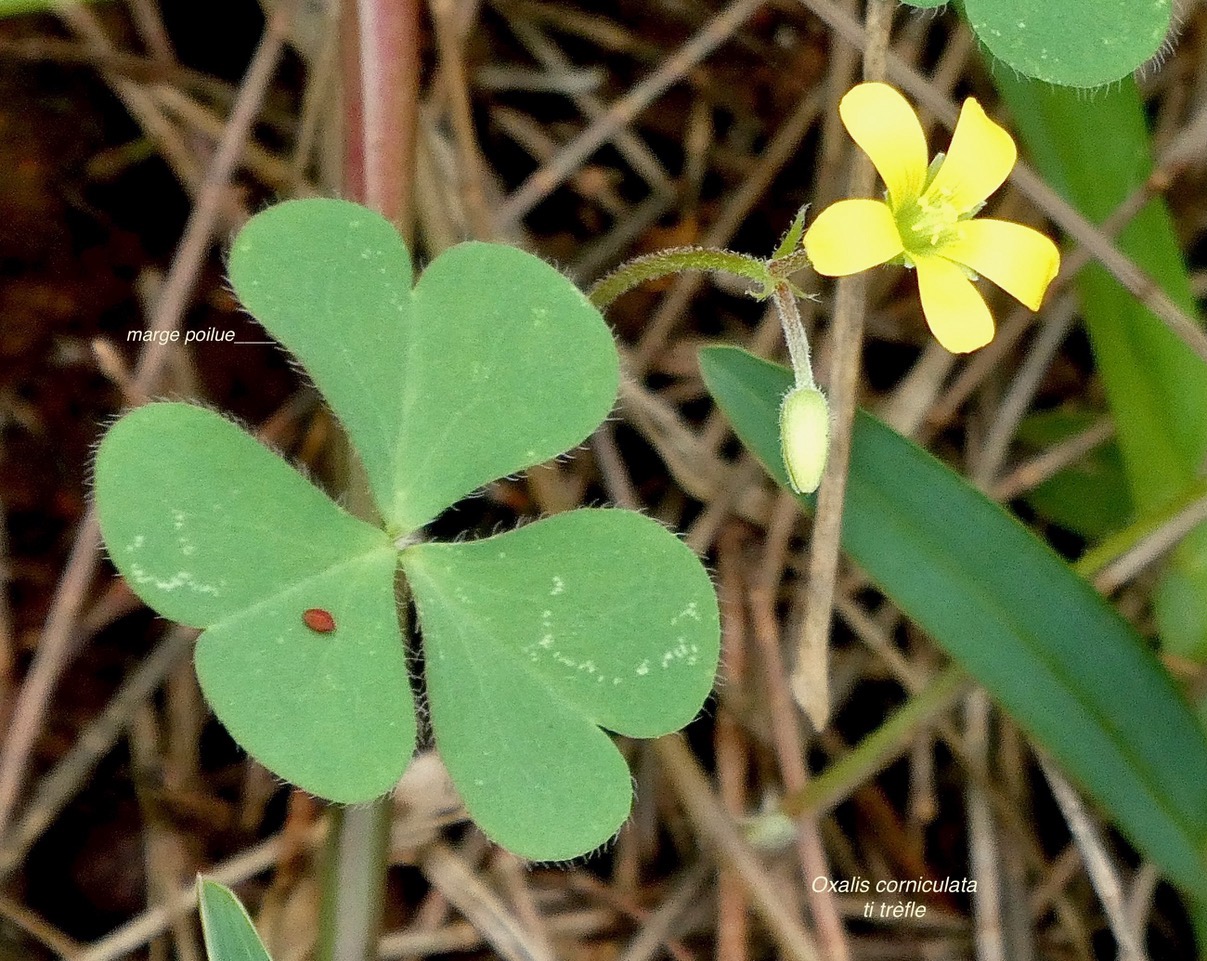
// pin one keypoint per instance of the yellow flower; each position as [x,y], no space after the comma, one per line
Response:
[926,222]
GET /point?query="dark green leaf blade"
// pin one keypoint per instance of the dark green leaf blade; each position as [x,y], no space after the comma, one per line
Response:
[1156,386]
[225,925]
[1090,496]
[1059,659]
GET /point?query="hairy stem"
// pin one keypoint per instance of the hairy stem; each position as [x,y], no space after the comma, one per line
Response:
[794,334]
[675,260]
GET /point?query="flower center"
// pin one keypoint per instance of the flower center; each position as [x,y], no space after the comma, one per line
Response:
[928,222]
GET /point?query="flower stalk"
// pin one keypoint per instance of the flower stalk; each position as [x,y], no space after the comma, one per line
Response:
[674,260]
[784,299]
[804,413]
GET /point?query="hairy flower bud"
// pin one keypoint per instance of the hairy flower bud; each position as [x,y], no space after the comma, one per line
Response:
[804,437]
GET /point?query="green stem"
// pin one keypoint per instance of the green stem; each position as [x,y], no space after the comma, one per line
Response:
[880,748]
[674,260]
[353,881]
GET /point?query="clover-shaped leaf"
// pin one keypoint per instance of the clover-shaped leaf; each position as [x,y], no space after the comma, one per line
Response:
[442,387]
[213,530]
[535,641]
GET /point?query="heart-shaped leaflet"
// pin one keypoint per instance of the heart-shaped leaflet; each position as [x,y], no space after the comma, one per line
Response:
[492,363]
[215,531]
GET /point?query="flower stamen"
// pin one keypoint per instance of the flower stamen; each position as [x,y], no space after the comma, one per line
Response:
[929,221]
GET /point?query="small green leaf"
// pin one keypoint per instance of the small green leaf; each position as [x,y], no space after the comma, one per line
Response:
[536,639]
[790,242]
[925,4]
[1065,665]
[213,530]
[1074,43]
[493,363]
[225,925]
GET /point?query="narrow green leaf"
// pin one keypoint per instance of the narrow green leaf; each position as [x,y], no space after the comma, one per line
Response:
[213,530]
[1090,496]
[225,925]
[925,4]
[533,641]
[1156,386]
[1074,43]
[1065,665]
[790,242]
[11,8]
[493,363]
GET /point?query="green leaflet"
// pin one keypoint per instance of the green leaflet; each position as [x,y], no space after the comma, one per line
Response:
[227,929]
[536,639]
[213,530]
[441,388]
[1073,43]
[1157,388]
[1065,665]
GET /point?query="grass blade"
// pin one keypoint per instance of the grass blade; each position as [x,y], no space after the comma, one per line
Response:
[228,931]
[1156,387]
[1057,657]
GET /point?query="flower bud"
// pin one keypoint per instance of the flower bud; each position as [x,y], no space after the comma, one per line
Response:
[804,437]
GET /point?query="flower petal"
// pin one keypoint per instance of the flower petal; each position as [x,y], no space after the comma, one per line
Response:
[980,159]
[850,236]
[955,311]
[885,126]
[1018,259]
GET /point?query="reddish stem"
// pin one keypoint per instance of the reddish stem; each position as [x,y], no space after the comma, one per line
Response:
[387,42]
